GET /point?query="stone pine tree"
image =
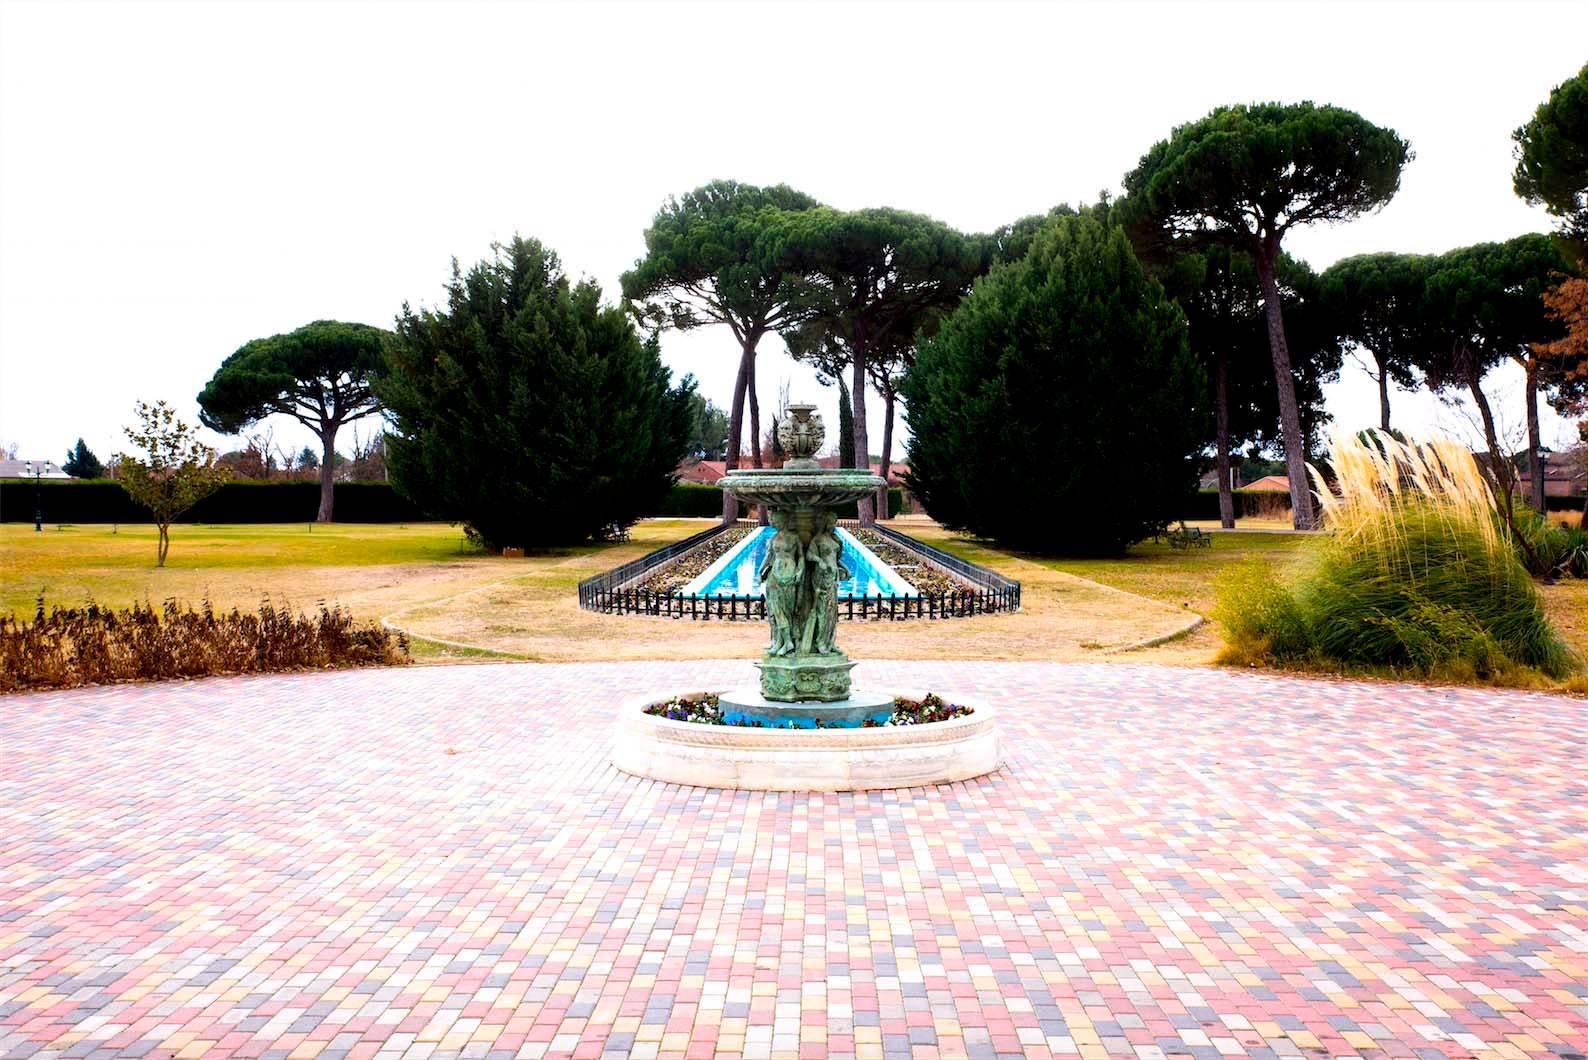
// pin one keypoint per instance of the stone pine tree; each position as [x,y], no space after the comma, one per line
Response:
[1245,176]
[172,470]
[319,375]
[1059,408]
[875,274]
[82,463]
[1482,305]
[1552,159]
[526,409]
[1374,299]
[1216,288]
[712,257]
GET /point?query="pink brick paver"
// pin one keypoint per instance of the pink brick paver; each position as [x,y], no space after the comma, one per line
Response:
[440,862]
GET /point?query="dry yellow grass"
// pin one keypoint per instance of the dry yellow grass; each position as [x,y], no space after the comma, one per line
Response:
[536,615]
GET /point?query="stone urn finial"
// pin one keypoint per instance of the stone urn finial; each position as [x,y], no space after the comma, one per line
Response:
[801,435]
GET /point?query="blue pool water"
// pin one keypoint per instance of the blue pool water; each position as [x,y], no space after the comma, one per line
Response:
[734,572]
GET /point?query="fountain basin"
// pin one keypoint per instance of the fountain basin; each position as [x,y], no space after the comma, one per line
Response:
[793,486]
[760,759]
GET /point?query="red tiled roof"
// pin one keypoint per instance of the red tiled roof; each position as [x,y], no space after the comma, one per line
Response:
[708,471]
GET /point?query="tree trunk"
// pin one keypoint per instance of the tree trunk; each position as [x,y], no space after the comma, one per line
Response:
[1499,468]
[887,452]
[1502,477]
[730,503]
[1535,463]
[327,474]
[755,409]
[163,547]
[857,399]
[1383,393]
[1285,382]
[1221,410]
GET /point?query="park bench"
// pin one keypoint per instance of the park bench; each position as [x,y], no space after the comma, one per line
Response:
[1188,537]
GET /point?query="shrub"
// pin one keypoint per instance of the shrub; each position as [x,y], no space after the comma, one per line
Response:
[1417,576]
[1062,378]
[67,647]
[1549,551]
[1262,620]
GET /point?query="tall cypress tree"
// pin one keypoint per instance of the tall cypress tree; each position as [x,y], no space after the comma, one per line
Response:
[528,410]
[846,426]
[1063,381]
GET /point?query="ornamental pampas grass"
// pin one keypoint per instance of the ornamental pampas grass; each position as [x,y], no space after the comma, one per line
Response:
[1416,576]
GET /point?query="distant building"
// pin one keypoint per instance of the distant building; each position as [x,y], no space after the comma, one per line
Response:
[21,469]
[1269,484]
[705,472]
[1563,476]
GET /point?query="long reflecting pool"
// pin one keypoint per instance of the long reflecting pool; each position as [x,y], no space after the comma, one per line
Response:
[734,572]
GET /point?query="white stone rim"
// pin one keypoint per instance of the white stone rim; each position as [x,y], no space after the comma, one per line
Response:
[747,737]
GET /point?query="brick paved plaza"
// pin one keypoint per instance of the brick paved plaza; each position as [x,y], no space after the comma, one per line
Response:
[440,862]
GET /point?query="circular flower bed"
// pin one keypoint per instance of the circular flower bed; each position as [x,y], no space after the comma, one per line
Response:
[704,710]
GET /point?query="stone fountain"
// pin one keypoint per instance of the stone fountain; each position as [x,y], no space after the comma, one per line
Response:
[803,728]
[804,674]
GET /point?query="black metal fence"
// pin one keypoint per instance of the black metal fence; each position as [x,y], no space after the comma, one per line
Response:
[987,593]
[597,593]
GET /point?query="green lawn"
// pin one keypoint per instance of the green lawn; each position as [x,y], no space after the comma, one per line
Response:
[1179,577]
[233,565]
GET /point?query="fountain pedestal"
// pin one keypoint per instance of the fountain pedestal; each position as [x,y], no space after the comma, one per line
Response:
[800,677]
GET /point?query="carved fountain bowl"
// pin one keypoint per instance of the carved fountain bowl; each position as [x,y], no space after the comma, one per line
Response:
[800,487]
[757,759]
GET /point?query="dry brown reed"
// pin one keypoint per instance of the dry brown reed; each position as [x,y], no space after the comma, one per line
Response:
[67,647]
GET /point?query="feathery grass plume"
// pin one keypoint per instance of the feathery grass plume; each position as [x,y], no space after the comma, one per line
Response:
[1416,576]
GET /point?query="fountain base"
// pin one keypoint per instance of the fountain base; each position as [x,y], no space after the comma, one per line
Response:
[801,677]
[747,706]
[755,759]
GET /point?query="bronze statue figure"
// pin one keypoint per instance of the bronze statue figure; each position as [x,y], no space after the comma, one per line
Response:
[782,572]
[824,572]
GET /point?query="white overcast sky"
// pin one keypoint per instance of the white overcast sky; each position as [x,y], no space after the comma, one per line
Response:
[179,178]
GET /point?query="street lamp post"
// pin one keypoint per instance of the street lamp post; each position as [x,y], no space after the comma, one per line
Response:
[30,468]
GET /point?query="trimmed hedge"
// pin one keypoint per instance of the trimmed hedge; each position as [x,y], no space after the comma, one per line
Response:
[1248,504]
[1566,503]
[696,500]
[103,501]
[692,500]
[895,505]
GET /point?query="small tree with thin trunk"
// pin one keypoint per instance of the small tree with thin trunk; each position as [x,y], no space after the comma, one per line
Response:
[1244,176]
[175,471]
[319,375]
